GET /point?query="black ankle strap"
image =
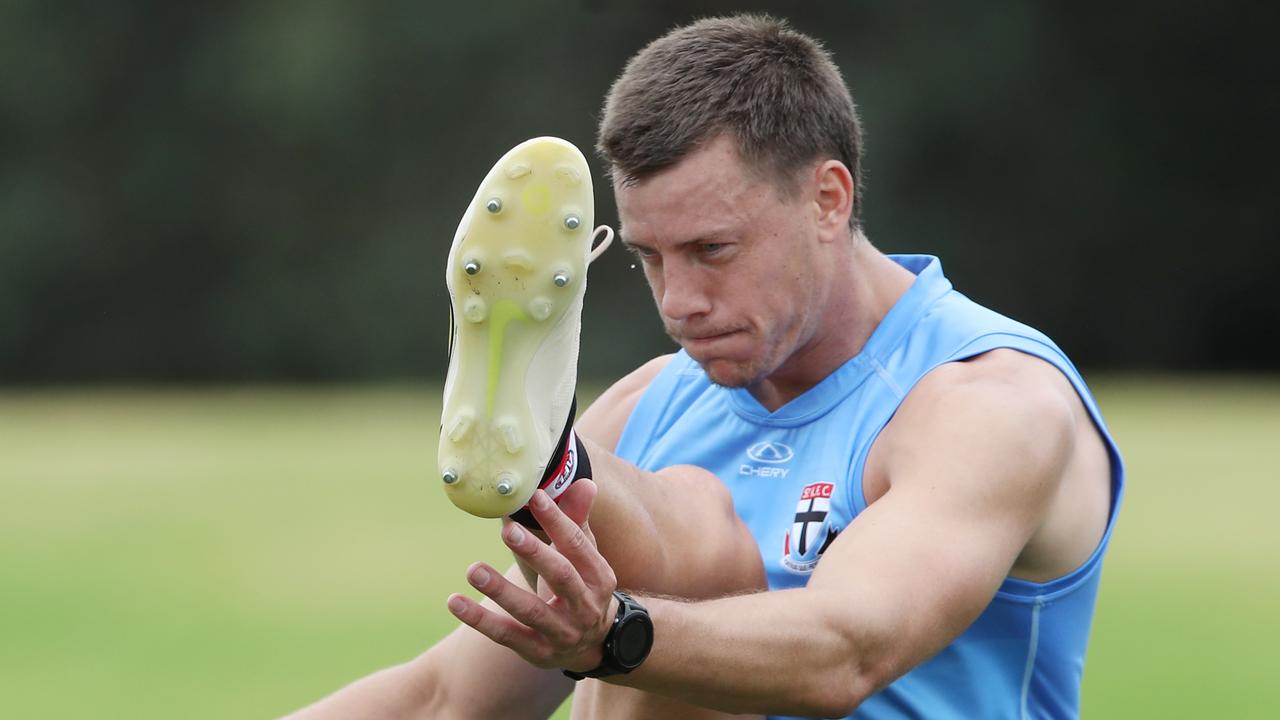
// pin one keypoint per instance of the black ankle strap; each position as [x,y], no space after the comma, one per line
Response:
[568,463]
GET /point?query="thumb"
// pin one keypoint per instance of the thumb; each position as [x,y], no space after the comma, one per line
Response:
[576,502]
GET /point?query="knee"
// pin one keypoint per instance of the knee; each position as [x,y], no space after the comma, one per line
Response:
[729,561]
[696,485]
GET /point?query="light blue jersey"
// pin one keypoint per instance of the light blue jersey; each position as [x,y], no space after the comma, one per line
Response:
[796,479]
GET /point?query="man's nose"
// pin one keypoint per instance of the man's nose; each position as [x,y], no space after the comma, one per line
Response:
[683,292]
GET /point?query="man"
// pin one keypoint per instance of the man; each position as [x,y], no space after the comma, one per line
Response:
[929,484]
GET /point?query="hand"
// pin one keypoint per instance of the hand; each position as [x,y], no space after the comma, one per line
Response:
[562,628]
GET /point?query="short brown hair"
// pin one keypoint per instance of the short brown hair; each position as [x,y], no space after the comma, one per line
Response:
[776,90]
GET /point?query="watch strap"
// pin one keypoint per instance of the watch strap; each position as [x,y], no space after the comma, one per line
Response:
[609,662]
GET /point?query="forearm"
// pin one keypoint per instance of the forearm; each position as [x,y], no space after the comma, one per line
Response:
[401,692]
[779,653]
[462,677]
[865,618]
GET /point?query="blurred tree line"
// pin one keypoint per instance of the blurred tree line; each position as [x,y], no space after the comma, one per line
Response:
[267,190]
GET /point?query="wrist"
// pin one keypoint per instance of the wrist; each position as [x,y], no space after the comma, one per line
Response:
[626,643]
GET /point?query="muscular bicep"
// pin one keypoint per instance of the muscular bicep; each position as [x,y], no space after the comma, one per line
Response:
[972,466]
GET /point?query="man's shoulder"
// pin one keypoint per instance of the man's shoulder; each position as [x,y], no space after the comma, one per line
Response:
[1003,400]
[637,381]
[603,422]
[999,375]
[1001,388]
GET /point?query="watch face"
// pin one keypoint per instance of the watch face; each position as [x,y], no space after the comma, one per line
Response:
[632,643]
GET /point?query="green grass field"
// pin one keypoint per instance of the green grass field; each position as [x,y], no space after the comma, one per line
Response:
[238,553]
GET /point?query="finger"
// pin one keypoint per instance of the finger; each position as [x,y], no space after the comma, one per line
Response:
[537,532]
[522,605]
[526,573]
[503,630]
[573,541]
[557,573]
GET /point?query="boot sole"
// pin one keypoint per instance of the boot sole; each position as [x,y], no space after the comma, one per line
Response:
[513,274]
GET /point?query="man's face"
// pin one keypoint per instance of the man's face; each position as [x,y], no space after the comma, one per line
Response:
[731,262]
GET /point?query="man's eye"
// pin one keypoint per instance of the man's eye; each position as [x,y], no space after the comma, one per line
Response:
[643,253]
[710,248]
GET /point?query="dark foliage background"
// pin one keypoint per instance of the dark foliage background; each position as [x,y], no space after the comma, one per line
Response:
[266,190]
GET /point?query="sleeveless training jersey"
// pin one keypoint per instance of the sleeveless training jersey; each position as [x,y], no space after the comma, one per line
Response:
[796,479]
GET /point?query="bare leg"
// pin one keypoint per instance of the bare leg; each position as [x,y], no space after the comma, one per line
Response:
[644,524]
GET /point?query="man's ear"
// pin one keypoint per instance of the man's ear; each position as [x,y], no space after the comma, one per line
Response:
[833,191]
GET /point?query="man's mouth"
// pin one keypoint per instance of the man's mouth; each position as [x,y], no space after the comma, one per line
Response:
[703,338]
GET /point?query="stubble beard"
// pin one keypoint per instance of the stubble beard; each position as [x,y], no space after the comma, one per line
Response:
[740,374]
[737,376]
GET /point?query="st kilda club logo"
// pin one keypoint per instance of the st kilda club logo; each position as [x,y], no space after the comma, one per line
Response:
[810,534]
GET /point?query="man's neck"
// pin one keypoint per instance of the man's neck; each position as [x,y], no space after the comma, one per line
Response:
[860,297]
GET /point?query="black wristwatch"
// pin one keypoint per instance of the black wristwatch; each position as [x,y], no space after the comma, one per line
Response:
[627,644]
